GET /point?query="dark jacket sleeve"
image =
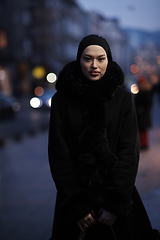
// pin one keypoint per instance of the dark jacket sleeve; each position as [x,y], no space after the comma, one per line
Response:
[117,199]
[62,166]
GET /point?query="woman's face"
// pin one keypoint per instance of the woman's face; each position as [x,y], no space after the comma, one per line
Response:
[94,62]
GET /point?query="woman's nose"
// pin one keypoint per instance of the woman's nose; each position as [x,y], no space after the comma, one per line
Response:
[94,63]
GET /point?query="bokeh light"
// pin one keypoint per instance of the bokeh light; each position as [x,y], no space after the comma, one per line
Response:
[153,79]
[16,106]
[2,74]
[134,88]
[134,68]
[39,91]
[39,72]
[48,102]
[51,77]
[150,69]
[129,79]
[36,102]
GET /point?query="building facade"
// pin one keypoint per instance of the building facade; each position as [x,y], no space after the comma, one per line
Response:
[47,33]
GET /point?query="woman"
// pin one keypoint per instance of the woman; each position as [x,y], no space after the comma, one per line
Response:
[94,150]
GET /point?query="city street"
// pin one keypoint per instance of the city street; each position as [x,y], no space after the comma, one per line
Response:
[27,191]
[42,41]
[26,121]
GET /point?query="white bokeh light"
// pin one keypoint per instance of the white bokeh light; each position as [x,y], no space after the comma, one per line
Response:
[35,102]
[51,77]
[48,102]
[134,88]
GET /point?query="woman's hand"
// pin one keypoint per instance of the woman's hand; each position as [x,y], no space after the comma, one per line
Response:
[106,217]
[87,221]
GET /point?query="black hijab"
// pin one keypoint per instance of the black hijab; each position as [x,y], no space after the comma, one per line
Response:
[93,39]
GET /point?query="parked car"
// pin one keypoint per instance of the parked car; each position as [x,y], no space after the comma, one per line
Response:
[8,107]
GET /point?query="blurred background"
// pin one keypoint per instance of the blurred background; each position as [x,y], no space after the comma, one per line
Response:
[37,38]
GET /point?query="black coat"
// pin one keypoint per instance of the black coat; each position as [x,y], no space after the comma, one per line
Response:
[94,155]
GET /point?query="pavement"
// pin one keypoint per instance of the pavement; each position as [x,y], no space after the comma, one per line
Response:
[148,178]
[27,191]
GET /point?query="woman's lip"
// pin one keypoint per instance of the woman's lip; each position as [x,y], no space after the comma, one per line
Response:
[94,73]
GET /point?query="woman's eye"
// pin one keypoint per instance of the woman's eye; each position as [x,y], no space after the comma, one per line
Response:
[101,59]
[87,59]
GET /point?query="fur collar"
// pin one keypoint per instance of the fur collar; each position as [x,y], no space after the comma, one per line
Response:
[70,85]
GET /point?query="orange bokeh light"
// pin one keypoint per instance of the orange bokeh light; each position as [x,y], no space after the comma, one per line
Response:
[39,91]
[134,68]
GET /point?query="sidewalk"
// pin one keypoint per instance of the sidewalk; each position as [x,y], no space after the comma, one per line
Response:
[27,192]
[148,178]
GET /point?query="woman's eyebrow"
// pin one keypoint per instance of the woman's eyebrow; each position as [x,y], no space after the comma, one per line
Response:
[87,55]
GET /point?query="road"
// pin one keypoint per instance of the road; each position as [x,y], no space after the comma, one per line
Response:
[27,121]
